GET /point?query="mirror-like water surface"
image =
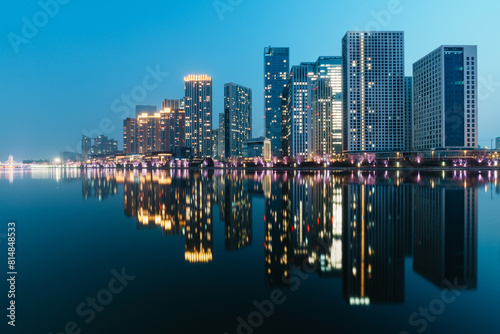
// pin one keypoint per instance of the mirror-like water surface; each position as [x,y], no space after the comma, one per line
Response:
[254,252]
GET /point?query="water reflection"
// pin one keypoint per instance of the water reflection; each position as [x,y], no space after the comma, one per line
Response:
[359,227]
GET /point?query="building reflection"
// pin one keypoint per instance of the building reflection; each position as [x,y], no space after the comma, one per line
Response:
[445,234]
[277,229]
[357,227]
[374,243]
[98,184]
[235,206]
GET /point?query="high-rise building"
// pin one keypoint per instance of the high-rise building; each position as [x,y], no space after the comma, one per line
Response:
[373,91]
[497,143]
[326,123]
[445,99]
[198,106]
[238,113]
[408,114]
[173,127]
[298,134]
[276,69]
[140,109]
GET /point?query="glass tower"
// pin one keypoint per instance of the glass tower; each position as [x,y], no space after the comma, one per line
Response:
[276,69]
[445,99]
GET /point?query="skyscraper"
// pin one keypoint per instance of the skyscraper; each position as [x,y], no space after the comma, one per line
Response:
[326,123]
[408,114]
[373,86]
[276,69]
[198,106]
[238,112]
[298,134]
[445,99]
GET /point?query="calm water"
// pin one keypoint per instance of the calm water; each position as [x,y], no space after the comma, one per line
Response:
[253,252]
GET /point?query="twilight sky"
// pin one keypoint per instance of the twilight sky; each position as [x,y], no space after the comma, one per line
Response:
[69,75]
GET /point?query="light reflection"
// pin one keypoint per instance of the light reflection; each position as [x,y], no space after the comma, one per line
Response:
[355,227]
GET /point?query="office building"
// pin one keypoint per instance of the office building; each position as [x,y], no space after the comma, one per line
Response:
[373,91]
[326,123]
[445,99]
[497,145]
[198,107]
[238,113]
[276,69]
[297,115]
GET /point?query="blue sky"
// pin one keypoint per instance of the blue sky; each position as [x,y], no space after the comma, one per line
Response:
[65,77]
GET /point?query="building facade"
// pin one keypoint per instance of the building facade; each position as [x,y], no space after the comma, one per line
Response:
[327,108]
[445,99]
[198,107]
[373,86]
[297,115]
[276,69]
[238,113]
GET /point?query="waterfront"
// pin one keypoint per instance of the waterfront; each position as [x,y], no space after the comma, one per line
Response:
[347,252]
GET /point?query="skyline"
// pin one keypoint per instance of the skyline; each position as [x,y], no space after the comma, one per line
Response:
[66,68]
